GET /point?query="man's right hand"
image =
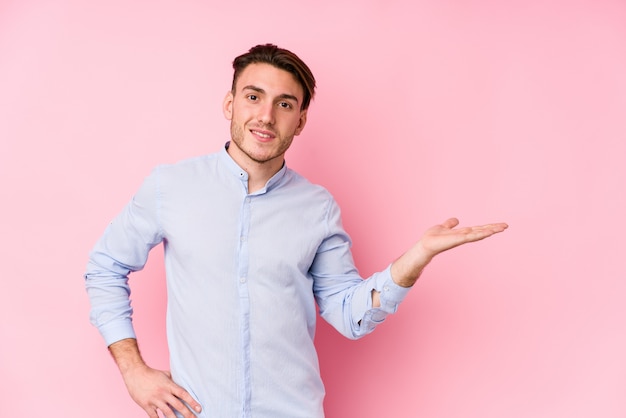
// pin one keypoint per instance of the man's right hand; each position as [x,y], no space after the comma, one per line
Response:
[153,390]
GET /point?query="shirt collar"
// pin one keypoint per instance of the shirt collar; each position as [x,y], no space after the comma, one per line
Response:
[242,174]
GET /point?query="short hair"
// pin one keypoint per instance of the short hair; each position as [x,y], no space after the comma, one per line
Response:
[282,59]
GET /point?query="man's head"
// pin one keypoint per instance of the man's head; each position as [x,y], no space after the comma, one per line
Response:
[281,59]
[267,105]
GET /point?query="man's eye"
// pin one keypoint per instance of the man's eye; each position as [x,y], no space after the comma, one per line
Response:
[285,105]
[252,97]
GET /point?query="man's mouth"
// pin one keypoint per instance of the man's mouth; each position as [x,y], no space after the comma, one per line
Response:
[262,134]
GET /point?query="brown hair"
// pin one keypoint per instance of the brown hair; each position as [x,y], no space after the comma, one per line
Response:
[282,59]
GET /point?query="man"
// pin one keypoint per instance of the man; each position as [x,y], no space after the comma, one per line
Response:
[250,246]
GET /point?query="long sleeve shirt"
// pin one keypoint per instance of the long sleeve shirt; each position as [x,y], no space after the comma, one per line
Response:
[243,273]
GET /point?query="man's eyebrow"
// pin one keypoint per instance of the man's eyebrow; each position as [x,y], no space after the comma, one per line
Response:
[288,97]
[282,96]
[254,88]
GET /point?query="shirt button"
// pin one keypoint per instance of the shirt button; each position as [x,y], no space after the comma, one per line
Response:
[242,280]
[386,288]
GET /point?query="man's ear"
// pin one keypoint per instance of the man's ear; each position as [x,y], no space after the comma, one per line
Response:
[302,122]
[227,106]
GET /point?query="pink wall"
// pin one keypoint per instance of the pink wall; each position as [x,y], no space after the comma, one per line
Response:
[426,109]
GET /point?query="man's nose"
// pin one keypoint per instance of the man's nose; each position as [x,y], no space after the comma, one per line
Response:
[266,114]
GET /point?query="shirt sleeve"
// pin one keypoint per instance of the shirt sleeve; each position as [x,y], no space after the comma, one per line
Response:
[122,249]
[343,296]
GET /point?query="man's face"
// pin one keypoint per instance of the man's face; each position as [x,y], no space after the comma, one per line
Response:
[264,114]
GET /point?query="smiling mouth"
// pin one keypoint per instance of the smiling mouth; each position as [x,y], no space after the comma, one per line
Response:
[264,135]
[261,134]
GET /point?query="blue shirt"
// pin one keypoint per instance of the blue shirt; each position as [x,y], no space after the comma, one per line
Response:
[243,274]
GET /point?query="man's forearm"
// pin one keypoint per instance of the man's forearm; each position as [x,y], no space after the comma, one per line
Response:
[126,354]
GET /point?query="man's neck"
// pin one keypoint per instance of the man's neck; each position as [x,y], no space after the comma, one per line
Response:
[259,173]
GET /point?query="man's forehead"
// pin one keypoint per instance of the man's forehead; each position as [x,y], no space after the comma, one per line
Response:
[270,79]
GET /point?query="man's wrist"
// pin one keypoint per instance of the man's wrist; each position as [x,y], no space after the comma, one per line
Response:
[126,355]
[406,270]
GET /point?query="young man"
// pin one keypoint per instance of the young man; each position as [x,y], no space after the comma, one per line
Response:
[250,246]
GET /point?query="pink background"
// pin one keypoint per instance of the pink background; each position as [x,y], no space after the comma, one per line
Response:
[486,110]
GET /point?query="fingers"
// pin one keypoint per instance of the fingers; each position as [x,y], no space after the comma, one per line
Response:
[182,394]
[164,408]
[154,391]
[175,402]
[495,227]
[499,227]
[491,228]
[477,233]
[168,405]
[152,412]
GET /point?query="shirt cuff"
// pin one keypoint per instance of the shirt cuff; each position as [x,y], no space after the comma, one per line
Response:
[115,331]
[391,294]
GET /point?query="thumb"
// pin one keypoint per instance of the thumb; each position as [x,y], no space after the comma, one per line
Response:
[451,223]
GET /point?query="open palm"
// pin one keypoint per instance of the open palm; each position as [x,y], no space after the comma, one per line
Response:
[442,237]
